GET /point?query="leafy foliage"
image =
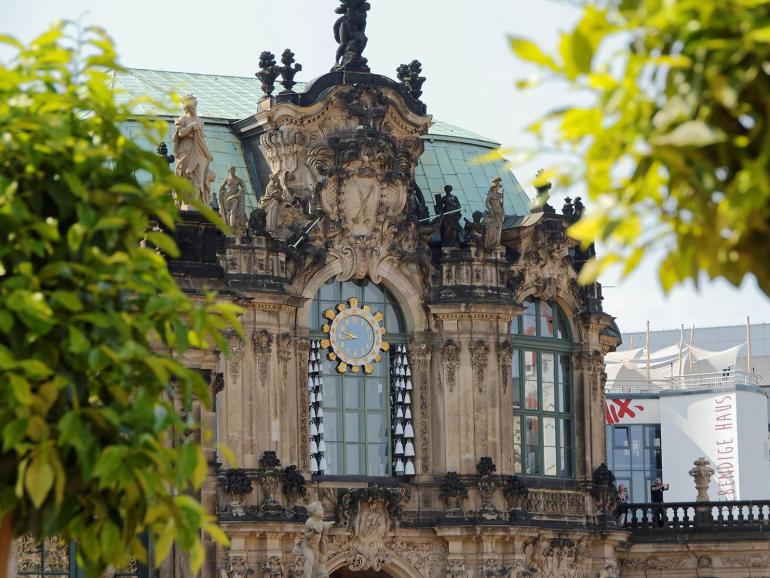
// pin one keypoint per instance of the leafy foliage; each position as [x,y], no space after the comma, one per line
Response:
[674,144]
[92,324]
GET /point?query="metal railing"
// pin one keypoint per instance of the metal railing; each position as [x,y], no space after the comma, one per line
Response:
[685,382]
[686,515]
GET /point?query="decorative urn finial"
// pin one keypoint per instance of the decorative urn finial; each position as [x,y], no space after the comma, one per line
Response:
[288,71]
[268,72]
[702,473]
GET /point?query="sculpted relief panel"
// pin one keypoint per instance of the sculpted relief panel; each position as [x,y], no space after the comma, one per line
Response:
[344,165]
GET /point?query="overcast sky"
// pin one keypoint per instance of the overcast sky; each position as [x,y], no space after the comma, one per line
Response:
[466,60]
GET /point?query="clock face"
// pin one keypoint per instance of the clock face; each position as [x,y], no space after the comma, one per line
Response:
[355,337]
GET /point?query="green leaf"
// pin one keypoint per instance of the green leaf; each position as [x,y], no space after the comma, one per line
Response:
[531,52]
[38,480]
[21,389]
[14,432]
[68,299]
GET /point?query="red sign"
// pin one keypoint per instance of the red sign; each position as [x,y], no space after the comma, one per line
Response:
[616,409]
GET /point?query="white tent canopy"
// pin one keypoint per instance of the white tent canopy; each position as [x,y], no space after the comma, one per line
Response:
[665,363]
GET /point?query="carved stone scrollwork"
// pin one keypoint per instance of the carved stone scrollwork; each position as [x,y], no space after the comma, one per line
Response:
[263,345]
[593,365]
[236,567]
[420,353]
[492,569]
[504,360]
[454,493]
[558,557]
[235,348]
[555,504]
[450,359]
[479,356]
[273,567]
[370,514]
[456,569]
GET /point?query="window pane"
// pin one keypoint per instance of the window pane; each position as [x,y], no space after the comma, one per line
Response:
[562,325]
[565,462]
[331,392]
[608,443]
[515,326]
[549,461]
[376,427]
[529,319]
[547,373]
[333,456]
[517,444]
[530,380]
[620,437]
[354,459]
[516,380]
[549,431]
[353,391]
[637,459]
[376,393]
[377,459]
[546,319]
[373,294]
[330,291]
[565,383]
[350,289]
[565,433]
[354,426]
[622,459]
[532,444]
[332,425]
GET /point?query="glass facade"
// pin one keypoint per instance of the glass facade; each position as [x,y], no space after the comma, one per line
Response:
[356,407]
[634,456]
[543,413]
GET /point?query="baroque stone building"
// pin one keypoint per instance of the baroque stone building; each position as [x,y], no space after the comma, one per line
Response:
[418,357]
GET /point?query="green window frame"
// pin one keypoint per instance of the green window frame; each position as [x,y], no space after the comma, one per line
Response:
[543,392]
[357,407]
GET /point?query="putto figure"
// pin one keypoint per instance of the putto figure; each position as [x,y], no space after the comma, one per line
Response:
[232,202]
[350,32]
[191,151]
[311,547]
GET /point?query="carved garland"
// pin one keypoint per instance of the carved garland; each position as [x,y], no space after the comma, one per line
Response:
[263,345]
[235,346]
[479,354]
[450,358]
[420,353]
[303,353]
[284,356]
[504,360]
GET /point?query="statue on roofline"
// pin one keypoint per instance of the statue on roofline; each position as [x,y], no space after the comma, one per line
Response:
[493,220]
[232,202]
[350,33]
[192,153]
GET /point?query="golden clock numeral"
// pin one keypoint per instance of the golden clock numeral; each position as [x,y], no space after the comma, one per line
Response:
[385,346]
[378,358]
[355,369]
[325,343]
[379,316]
[325,328]
[329,314]
[332,356]
[368,369]
[353,302]
[342,367]
[367,308]
[382,331]
[341,307]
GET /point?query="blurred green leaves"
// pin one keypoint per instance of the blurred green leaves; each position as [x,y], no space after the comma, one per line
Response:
[93,328]
[671,136]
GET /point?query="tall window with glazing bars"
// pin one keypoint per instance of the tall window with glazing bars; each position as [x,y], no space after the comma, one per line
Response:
[360,417]
[543,409]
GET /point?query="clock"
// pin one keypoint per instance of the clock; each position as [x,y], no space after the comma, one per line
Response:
[355,336]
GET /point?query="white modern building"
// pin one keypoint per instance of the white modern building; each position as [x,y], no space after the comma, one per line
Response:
[687,399]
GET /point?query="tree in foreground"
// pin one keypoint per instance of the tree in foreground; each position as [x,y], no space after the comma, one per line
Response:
[92,325]
[674,145]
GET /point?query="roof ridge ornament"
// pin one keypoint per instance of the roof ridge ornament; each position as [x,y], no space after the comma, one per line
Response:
[350,33]
[267,73]
[409,77]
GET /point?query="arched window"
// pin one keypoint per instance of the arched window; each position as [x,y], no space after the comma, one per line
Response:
[543,411]
[360,416]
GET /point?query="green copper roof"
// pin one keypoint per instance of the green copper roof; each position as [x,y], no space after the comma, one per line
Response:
[449,150]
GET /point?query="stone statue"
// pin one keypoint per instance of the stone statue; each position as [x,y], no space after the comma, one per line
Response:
[474,230]
[493,221]
[350,32]
[448,208]
[277,202]
[311,547]
[191,151]
[232,202]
